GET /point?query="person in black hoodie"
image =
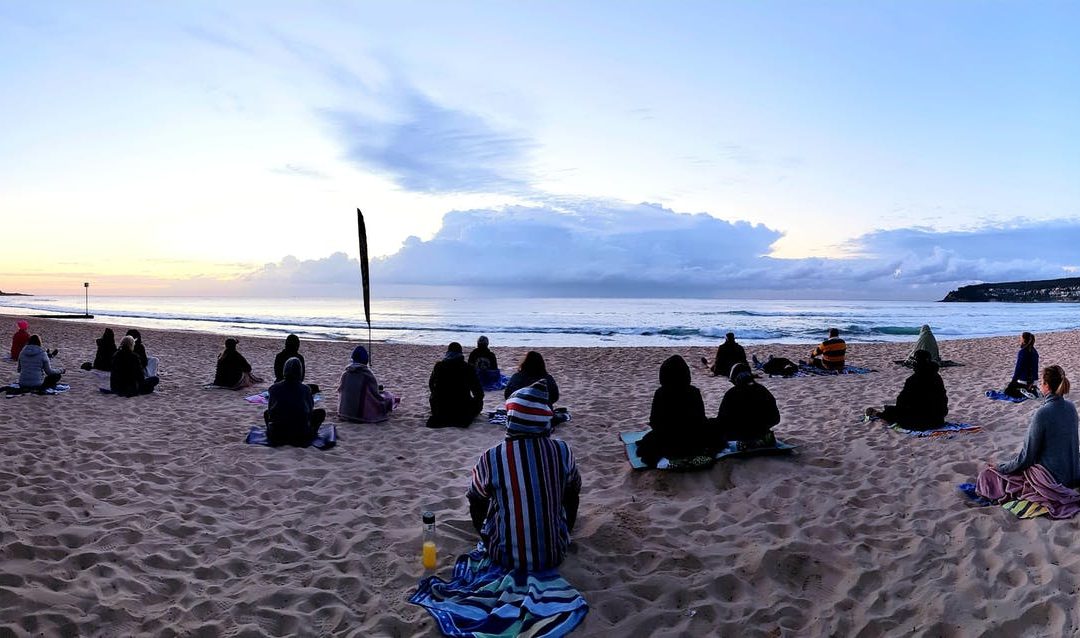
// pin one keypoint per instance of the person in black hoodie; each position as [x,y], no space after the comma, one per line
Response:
[677,417]
[456,395]
[106,348]
[127,378]
[727,354]
[233,370]
[292,349]
[747,412]
[291,417]
[922,404]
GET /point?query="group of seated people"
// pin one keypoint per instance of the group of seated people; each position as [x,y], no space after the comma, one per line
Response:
[131,371]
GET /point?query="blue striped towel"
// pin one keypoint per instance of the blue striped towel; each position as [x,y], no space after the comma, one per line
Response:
[483,600]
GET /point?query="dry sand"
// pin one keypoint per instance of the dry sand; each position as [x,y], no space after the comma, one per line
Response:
[149,516]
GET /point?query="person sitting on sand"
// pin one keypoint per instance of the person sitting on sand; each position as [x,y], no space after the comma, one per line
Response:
[19,339]
[360,397]
[149,364]
[291,417]
[531,370]
[922,403]
[728,354]
[106,349]
[747,412]
[830,354]
[128,375]
[1026,371]
[233,370]
[487,366]
[292,349]
[35,369]
[677,417]
[456,395]
[523,500]
[927,343]
[1049,463]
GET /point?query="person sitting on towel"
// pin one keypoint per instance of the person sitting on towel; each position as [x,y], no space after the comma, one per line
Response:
[830,354]
[292,349]
[524,496]
[677,417]
[531,370]
[149,364]
[360,397]
[291,417]
[1051,452]
[1025,377]
[456,395]
[747,412]
[922,404]
[487,366]
[233,370]
[128,375]
[19,339]
[926,342]
[727,354]
[35,369]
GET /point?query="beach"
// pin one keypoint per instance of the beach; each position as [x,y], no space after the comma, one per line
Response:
[150,516]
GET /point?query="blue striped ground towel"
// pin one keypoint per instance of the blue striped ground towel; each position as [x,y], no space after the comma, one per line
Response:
[483,600]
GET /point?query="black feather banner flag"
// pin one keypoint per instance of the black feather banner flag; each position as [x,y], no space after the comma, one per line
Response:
[362,229]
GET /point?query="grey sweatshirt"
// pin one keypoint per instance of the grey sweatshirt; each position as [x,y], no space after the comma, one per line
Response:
[33,366]
[1052,442]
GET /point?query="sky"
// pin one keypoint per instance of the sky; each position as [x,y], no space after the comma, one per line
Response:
[760,149]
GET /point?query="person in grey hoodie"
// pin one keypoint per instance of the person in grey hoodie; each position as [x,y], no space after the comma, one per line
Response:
[35,370]
[360,397]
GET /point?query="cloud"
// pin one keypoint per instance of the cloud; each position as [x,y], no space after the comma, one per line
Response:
[299,170]
[427,147]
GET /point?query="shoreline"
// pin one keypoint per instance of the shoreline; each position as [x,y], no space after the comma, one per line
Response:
[149,515]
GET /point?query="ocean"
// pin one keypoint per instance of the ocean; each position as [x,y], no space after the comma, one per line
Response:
[563,321]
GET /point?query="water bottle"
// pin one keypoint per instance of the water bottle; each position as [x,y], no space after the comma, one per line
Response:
[429,554]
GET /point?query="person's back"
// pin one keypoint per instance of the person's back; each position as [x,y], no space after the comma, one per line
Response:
[359,397]
[524,493]
[482,358]
[927,343]
[728,354]
[289,408]
[923,402]
[106,349]
[292,349]
[456,395]
[231,366]
[35,369]
[127,373]
[1053,442]
[748,410]
[676,418]
[832,353]
[532,369]
[19,339]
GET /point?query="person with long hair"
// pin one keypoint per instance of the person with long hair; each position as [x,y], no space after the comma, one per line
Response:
[106,349]
[531,370]
[1048,466]
[128,377]
[1025,378]
[233,370]
[35,369]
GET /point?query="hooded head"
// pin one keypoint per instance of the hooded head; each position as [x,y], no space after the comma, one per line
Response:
[925,329]
[108,336]
[740,374]
[360,355]
[453,351]
[230,343]
[528,413]
[729,337]
[22,325]
[482,342]
[923,361]
[294,370]
[292,343]
[674,373]
[133,333]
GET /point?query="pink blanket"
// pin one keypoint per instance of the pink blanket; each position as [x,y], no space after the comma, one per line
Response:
[1034,484]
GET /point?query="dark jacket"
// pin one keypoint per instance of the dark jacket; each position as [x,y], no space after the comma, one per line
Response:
[279,364]
[456,394]
[127,374]
[1026,370]
[747,412]
[677,416]
[1052,442]
[482,358]
[288,414]
[521,380]
[231,365]
[106,348]
[922,403]
[727,354]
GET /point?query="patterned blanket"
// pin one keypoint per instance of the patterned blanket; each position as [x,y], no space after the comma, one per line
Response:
[630,442]
[327,436]
[483,600]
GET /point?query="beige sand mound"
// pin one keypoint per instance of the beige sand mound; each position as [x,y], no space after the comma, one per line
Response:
[149,516]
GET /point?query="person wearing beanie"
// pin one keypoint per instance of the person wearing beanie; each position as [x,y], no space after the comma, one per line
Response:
[291,417]
[292,349]
[127,378]
[233,370]
[360,397]
[19,339]
[456,394]
[677,417]
[1047,469]
[523,500]
[35,369]
[922,403]
[747,412]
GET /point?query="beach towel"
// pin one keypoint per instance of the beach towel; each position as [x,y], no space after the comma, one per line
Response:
[492,380]
[806,370]
[1022,494]
[263,398]
[13,390]
[483,600]
[630,442]
[562,415]
[947,430]
[998,395]
[327,436]
[944,363]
